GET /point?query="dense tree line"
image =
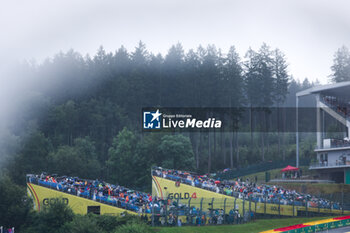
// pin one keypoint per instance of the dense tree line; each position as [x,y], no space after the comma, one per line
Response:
[81,115]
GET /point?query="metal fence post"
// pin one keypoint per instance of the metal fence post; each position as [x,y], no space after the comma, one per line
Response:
[342,200]
[235,203]
[250,204]
[265,200]
[279,206]
[255,209]
[224,210]
[201,207]
[243,212]
[166,212]
[177,207]
[293,206]
[187,214]
[212,205]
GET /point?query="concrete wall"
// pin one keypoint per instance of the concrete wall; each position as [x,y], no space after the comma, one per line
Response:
[333,156]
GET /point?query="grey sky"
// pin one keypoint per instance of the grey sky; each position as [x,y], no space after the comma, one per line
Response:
[308,31]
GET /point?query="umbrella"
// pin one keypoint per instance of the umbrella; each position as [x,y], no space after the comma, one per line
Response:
[217,182]
[289,168]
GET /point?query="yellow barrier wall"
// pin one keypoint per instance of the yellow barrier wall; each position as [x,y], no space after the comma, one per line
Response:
[164,188]
[42,196]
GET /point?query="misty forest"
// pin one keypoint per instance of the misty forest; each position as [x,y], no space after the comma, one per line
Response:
[80,115]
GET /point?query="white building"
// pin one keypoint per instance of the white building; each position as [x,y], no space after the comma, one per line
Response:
[333,154]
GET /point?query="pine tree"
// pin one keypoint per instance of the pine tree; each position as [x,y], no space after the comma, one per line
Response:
[281,79]
[341,65]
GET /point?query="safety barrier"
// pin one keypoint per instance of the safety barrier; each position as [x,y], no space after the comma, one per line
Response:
[189,215]
[315,226]
[204,199]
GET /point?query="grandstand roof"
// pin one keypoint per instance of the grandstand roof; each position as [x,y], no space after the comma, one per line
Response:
[334,89]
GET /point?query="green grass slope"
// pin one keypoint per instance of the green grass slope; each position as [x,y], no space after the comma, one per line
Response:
[252,227]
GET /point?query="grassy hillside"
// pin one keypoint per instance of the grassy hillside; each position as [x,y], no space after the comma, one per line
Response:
[329,191]
[317,189]
[253,227]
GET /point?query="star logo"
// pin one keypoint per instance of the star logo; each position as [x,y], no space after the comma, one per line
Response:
[152,120]
[156,115]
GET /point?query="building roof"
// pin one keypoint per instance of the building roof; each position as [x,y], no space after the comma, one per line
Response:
[334,89]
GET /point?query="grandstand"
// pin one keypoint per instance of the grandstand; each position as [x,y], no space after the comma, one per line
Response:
[207,194]
[195,199]
[332,154]
[85,196]
[98,197]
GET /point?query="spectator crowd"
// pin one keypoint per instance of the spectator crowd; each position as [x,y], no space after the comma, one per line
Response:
[247,189]
[166,212]
[172,212]
[98,191]
[339,105]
